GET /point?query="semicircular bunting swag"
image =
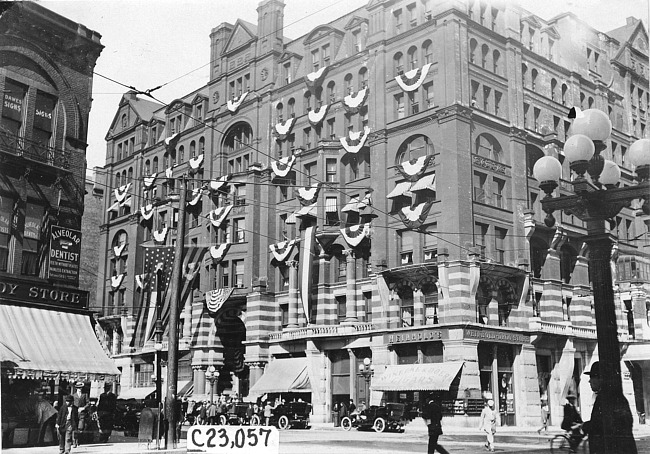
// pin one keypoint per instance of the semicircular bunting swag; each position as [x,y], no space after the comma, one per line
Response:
[148,181]
[316,116]
[214,299]
[316,78]
[413,218]
[219,214]
[169,172]
[219,252]
[116,281]
[411,80]
[353,102]
[196,162]
[282,250]
[282,166]
[160,235]
[413,169]
[308,195]
[122,192]
[140,280]
[196,196]
[282,130]
[355,234]
[146,212]
[117,250]
[356,140]
[216,185]
[233,104]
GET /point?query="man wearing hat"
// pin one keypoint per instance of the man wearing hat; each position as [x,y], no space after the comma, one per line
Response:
[622,420]
[66,424]
[572,421]
[81,401]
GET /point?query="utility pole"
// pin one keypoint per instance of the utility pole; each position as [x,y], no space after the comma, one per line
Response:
[172,352]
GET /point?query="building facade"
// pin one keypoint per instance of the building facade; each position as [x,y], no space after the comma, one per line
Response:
[365,192]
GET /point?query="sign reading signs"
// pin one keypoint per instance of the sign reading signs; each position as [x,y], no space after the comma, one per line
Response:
[65,251]
[29,292]
[497,336]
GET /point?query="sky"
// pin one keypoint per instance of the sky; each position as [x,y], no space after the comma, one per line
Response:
[167,42]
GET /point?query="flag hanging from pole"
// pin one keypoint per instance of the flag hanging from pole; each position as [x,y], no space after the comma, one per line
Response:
[158,262]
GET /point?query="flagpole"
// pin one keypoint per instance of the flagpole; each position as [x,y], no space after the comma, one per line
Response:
[172,352]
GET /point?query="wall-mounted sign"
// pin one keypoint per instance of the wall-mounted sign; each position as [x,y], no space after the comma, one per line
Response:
[65,251]
[497,336]
[33,293]
[416,336]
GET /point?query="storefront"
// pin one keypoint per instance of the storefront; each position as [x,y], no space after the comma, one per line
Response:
[284,378]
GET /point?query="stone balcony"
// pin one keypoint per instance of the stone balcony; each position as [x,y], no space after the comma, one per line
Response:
[310,332]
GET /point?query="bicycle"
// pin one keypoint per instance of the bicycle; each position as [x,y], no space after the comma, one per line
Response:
[562,443]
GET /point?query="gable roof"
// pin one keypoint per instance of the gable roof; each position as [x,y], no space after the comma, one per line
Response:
[242,34]
[633,33]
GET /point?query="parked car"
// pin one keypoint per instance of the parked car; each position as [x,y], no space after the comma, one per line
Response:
[390,417]
[288,416]
[127,417]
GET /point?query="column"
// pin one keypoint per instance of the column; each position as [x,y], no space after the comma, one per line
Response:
[199,380]
[256,370]
[353,375]
[495,383]
[293,294]
[350,286]
[418,308]
[187,320]
[116,342]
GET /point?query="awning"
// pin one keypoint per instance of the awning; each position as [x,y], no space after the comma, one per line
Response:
[309,210]
[185,388]
[400,189]
[137,393]
[426,182]
[637,352]
[417,377]
[40,342]
[352,205]
[286,375]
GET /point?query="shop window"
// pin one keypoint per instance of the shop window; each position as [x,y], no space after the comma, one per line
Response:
[432,352]
[407,353]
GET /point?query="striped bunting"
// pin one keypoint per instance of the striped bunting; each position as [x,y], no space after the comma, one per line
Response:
[355,235]
[214,299]
[218,215]
[282,250]
[412,79]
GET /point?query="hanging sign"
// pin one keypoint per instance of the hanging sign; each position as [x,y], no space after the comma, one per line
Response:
[65,252]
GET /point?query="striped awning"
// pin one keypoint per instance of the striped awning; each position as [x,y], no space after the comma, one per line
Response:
[426,182]
[417,377]
[399,190]
[139,393]
[41,342]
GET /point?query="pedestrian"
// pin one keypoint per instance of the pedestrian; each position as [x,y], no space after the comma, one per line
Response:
[106,408]
[82,402]
[545,413]
[343,410]
[46,417]
[489,424]
[203,413]
[351,407]
[622,441]
[432,415]
[66,424]
[213,413]
[572,422]
[268,412]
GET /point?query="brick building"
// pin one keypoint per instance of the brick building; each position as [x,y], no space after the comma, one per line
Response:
[366,191]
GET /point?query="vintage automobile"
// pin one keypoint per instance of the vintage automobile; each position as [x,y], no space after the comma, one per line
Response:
[289,415]
[239,414]
[389,417]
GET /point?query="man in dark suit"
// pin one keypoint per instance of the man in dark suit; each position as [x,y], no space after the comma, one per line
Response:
[67,422]
[106,409]
[82,402]
[432,415]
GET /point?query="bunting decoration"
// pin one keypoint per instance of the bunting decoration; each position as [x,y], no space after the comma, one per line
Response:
[354,102]
[309,210]
[122,192]
[214,299]
[356,141]
[413,169]
[219,252]
[282,250]
[148,181]
[192,270]
[316,116]
[196,196]
[218,215]
[316,78]
[357,205]
[282,167]
[282,130]
[196,162]
[233,104]
[146,212]
[160,235]
[413,218]
[139,280]
[115,207]
[170,142]
[168,173]
[411,80]
[355,235]
[117,250]
[126,202]
[308,195]
[216,185]
[116,281]
[306,264]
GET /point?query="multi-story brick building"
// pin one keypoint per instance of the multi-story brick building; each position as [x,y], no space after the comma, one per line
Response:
[366,191]
[46,333]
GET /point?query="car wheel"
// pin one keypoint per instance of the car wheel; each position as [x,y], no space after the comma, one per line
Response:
[223,420]
[283,422]
[255,420]
[346,423]
[379,425]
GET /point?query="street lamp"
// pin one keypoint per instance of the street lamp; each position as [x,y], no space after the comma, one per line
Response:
[212,375]
[596,201]
[158,346]
[367,370]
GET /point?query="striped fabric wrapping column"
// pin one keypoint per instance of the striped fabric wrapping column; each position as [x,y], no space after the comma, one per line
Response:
[581,307]
[200,324]
[418,308]
[294,302]
[350,285]
[551,302]
[361,305]
[306,267]
[381,301]
[262,316]
[456,308]
[129,327]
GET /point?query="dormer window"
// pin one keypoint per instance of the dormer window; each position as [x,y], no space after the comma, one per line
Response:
[326,55]
[397,20]
[315,59]
[199,113]
[286,69]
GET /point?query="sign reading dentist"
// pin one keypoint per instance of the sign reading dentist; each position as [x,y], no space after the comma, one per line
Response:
[65,251]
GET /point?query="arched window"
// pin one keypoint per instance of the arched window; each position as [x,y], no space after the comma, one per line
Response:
[349,84]
[590,103]
[427,52]
[118,264]
[524,75]
[124,121]
[118,180]
[533,153]
[155,164]
[363,78]
[306,104]
[181,154]
[538,252]
[412,57]
[405,294]
[533,79]
[147,167]
[201,145]
[129,175]
[582,101]
[473,45]
[430,293]
[496,62]
[279,108]
[553,90]
[331,92]
[565,89]
[291,108]
[485,53]
[237,137]
[489,147]
[483,299]
[398,62]
[121,238]
[413,148]
[568,259]
[166,160]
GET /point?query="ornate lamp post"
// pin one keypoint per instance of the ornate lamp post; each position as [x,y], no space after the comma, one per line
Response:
[596,201]
[212,375]
[367,370]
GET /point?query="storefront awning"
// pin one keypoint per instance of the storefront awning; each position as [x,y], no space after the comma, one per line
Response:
[287,375]
[637,352]
[417,377]
[137,393]
[40,342]
[400,189]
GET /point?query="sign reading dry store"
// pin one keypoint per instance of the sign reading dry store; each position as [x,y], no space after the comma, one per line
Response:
[65,250]
[28,292]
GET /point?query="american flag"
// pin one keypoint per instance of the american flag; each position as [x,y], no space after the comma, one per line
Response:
[158,262]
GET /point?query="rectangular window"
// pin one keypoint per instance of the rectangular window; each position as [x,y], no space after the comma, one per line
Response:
[225,274]
[315,59]
[306,138]
[326,55]
[498,186]
[240,195]
[497,103]
[414,103]
[238,273]
[239,233]
[310,173]
[479,183]
[399,105]
[367,303]
[30,257]
[340,307]
[397,20]
[330,129]
[330,170]
[499,244]
[481,238]
[428,94]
